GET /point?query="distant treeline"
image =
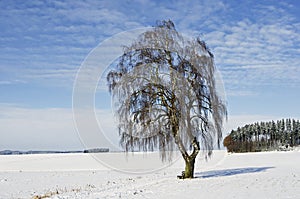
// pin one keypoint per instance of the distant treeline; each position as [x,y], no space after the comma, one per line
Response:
[98,150]
[264,136]
[10,152]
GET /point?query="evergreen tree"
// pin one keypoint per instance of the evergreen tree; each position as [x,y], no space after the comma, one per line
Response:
[287,136]
[264,136]
[273,132]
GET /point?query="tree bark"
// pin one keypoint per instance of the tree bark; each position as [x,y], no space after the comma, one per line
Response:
[190,161]
[189,168]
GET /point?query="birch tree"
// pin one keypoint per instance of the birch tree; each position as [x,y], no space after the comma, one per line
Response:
[164,95]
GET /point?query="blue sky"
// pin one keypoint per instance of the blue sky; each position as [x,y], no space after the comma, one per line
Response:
[43,44]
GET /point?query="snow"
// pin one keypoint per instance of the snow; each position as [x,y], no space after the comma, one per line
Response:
[60,176]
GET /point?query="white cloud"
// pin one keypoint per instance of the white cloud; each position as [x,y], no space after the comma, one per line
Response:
[41,129]
[254,44]
[5,82]
[251,53]
[55,128]
[9,82]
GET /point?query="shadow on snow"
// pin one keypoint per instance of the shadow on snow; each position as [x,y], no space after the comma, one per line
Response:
[230,172]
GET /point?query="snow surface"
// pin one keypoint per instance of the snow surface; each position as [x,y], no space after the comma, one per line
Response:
[59,176]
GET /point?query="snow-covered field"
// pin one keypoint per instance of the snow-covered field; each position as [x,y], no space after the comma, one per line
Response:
[252,175]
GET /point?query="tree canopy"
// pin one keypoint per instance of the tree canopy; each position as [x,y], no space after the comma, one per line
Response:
[165,97]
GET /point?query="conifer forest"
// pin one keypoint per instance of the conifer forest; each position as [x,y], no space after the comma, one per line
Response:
[264,136]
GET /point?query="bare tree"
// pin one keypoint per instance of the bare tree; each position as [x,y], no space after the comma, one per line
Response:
[164,94]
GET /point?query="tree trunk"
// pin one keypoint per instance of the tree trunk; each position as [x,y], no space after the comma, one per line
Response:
[190,161]
[189,168]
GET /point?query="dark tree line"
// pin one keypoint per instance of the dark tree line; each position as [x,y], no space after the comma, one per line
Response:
[264,136]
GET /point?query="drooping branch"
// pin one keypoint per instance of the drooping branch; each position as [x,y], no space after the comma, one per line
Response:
[164,91]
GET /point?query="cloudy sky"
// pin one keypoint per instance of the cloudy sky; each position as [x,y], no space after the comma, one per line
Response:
[43,44]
